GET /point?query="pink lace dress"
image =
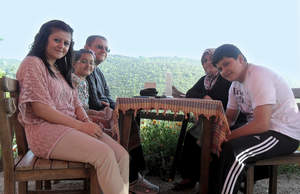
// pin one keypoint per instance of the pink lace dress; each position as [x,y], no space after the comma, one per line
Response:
[37,85]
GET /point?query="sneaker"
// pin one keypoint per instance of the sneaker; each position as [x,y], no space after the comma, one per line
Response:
[143,186]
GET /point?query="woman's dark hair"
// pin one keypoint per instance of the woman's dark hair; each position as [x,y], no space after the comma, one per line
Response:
[226,50]
[79,53]
[38,48]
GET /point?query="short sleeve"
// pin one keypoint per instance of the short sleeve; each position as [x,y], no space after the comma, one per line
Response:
[33,80]
[232,103]
[261,89]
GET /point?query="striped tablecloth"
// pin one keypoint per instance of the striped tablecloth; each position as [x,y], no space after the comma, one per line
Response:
[207,108]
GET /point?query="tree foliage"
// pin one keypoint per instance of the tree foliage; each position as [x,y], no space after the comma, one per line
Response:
[9,67]
[2,73]
[126,75]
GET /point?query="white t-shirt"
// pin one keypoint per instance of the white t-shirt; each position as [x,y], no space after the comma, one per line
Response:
[262,86]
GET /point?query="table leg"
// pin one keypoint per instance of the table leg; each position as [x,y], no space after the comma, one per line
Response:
[125,127]
[205,156]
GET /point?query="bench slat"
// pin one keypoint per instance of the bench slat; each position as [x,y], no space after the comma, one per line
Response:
[52,174]
[296,92]
[76,165]
[58,192]
[42,164]
[59,164]
[20,135]
[8,84]
[27,162]
[286,159]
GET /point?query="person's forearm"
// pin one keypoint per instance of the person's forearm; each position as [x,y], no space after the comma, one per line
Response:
[260,123]
[49,114]
[231,115]
[81,114]
[248,129]
[92,112]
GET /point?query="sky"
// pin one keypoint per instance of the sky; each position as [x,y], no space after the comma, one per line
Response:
[266,31]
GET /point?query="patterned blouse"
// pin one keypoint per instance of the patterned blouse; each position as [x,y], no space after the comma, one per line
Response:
[82,89]
[37,85]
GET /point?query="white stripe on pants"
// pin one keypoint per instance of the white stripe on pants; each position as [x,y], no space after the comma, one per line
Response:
[109,158]
[238,165]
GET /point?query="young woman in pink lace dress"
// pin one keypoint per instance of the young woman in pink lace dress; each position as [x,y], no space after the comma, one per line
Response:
[55,123]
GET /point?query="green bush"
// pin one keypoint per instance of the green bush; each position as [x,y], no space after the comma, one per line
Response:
[289,169]
[159,141]
[2,73]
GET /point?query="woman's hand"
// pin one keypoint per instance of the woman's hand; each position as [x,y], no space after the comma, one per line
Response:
[207,97]
[105,103]
[47,113]
[91,129]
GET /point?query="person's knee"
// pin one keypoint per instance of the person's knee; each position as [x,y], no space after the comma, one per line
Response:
[102,154]
[107,154]
[124,155]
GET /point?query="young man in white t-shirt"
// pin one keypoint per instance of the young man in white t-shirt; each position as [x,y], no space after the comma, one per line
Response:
[273,126]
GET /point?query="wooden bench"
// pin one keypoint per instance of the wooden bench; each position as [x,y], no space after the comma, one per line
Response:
[25,166]
[293,158]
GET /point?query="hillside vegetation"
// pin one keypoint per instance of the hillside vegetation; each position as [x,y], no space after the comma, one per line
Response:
[9,67]
[126,75]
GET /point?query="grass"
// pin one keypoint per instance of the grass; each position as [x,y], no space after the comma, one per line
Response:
[289,169]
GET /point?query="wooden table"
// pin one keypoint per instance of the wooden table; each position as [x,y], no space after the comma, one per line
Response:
[214,118]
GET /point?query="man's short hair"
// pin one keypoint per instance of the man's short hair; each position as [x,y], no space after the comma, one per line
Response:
[226,50]
[92,38]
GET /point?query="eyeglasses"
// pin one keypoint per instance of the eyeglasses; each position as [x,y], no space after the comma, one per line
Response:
[101,47]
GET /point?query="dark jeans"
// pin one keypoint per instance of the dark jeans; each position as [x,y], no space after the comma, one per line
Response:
[137,160]
[191,157]
[136,164]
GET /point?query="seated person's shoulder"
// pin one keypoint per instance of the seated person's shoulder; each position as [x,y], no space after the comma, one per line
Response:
[31,64]
[32,60]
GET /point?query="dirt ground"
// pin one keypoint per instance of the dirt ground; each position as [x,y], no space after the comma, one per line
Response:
[287,184]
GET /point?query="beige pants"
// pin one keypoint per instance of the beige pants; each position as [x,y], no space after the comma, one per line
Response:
[109,158]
